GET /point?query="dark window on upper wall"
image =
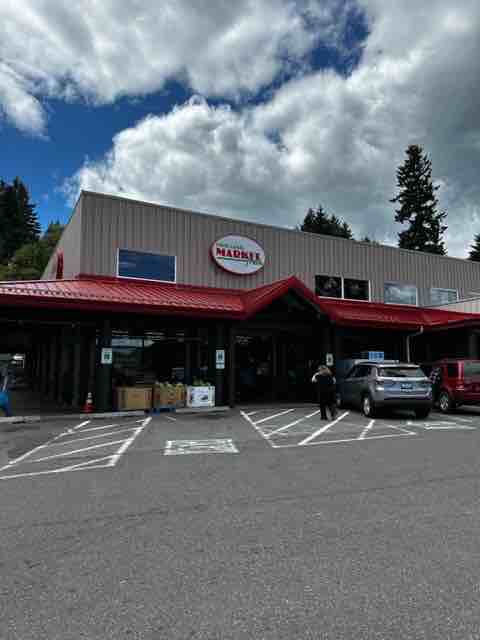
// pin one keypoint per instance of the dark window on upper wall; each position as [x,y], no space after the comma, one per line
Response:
[328,286]
[146,266]
[355,289]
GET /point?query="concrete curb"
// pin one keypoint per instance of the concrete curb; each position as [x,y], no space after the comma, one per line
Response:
[108,414]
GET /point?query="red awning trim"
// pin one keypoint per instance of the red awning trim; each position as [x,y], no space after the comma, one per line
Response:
[107,294]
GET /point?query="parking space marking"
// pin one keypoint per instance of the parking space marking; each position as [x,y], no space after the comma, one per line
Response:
[41,446]
[30,458]
[101,435]
[292,424]
[405,431]
[275,415]
[186,447]
[366,430]
[76,451]
[319,432]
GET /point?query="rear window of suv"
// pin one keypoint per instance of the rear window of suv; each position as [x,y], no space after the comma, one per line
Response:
[401,372]
[471,369]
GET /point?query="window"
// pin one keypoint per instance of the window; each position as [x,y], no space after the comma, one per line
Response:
[146,266]
[328,286]
[471,369]
[401,372]
[356,289]
[361,371]
[400,293]
[442,296]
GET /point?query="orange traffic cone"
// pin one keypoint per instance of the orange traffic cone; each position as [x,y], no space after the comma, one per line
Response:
[88,408]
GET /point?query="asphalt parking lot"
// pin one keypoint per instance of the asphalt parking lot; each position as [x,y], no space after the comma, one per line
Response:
[265,523]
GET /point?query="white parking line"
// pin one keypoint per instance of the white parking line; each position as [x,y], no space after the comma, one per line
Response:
[275,415]
[110,426]
[100,435]
[41,446]
[322,430]
[102,462]
[249,420]
[292,424]
[383,435]
[405,431]
[366,430]
[75,451]
[116,457]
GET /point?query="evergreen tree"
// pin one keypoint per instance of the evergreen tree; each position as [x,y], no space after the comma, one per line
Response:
[18,220]
[475,249]
[418,205]
[29,262]
[318,221]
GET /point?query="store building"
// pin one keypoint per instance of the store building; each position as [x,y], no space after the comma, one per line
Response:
[174,295]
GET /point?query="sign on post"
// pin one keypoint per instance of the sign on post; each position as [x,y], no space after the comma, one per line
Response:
[220,359]
[107,356]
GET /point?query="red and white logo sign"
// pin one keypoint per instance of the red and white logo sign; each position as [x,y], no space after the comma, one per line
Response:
[238,254]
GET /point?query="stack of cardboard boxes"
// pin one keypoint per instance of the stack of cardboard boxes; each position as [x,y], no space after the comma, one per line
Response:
[168,395]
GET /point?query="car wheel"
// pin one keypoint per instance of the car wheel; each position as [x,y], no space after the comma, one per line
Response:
[422,414]
[445,402]
[368,407]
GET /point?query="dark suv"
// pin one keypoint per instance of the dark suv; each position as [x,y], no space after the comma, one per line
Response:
[455,382]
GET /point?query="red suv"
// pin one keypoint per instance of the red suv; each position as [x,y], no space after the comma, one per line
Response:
[455,382]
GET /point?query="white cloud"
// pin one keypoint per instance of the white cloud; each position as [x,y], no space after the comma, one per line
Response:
[100,51]
[325,138]
[18,104]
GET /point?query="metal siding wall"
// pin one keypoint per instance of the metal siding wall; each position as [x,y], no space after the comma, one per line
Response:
[465,306]
[110,223]
[71,245]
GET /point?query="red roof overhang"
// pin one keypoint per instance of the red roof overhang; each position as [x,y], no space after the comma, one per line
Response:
[389,316]
[114,295]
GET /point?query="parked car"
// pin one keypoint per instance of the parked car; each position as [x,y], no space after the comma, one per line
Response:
[374,386]
[455,382]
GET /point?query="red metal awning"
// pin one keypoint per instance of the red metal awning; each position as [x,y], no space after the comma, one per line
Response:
[388,316]
[105,294]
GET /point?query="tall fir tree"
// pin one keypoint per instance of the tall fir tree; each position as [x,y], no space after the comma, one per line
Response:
[475,249]
[318,221]
[18,219]
[418,205]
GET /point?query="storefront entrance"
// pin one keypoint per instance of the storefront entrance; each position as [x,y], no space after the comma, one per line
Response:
[273,367]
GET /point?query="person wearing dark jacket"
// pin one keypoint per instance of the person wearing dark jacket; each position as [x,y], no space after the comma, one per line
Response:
[325,382]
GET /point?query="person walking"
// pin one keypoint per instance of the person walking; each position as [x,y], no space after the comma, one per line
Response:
[325,382]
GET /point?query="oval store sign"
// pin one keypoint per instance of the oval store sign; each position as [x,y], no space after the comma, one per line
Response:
[238,254]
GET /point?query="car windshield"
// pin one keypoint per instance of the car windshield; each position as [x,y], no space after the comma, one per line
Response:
[401,372]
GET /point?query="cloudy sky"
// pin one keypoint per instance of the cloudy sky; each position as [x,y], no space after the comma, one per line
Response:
[256,109]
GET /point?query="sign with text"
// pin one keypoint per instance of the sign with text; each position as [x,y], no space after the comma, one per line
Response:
[238,254]
[220,358]
[107,356]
